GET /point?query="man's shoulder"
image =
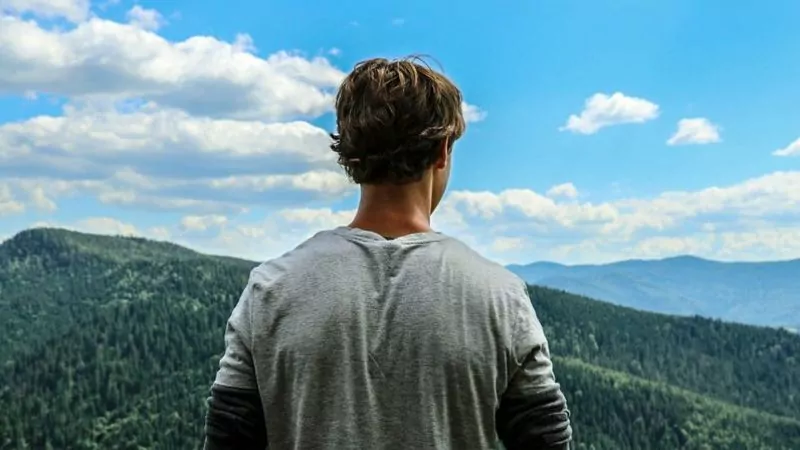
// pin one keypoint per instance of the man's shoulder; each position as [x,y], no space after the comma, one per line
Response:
[480,267]
[301,256]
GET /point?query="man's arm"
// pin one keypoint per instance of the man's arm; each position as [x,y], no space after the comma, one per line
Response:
[235,418]
[533,411]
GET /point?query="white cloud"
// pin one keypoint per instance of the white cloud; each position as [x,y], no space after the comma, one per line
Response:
[695,131]
[106,225]
[8,204]
[266,238]
[40,200]
[169,159]
[102,59]
[670,223]
[320,218]
[531,205]
[567,190]
[109,134]
[163,142]
[792,149]
[215,195]
[146,19]
[203,223]
[777,193]
[324,182]
[660,246]
[72,10]
[503,243]
[758,244]
[472,113]
[762,243]
[602,110]
[244,43]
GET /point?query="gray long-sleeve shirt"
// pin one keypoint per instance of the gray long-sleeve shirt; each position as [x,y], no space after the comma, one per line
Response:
[354,341]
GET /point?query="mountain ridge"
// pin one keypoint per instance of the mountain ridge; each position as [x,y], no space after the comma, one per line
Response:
[685,257]
[124,247]
[759,293]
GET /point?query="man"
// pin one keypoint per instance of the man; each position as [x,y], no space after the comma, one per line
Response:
[385,334]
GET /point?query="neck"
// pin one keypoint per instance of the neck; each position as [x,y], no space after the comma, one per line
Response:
[395,211]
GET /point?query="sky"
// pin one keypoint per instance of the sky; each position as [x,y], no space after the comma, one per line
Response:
[598,131]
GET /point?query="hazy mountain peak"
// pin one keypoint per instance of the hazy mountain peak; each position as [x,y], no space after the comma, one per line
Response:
[760,293]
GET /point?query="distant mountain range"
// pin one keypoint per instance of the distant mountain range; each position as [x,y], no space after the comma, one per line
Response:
[757,293]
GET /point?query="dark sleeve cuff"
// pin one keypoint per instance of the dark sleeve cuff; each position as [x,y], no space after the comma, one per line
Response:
[540,421]
[235,420]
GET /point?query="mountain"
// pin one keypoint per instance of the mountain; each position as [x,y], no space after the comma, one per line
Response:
[757,293]
[111,342]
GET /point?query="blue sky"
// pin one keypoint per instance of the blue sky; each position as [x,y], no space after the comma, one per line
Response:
[598,130]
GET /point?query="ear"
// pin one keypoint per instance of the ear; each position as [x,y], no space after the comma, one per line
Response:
[444,153]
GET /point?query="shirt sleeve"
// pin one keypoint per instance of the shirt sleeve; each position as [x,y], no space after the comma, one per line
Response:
[235,417]
[533,411]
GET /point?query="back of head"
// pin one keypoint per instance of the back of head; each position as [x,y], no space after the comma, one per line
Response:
[393,116]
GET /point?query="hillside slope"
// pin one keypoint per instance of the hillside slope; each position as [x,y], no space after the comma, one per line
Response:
[50,278]
[762,293]
[132,332]
[745,365]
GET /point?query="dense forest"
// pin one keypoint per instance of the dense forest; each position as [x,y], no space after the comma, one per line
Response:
[113,342]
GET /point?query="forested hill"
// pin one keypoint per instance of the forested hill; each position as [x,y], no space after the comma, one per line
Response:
[757,293]
[109,342]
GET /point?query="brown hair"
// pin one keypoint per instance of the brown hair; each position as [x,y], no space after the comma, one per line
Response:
[392,118]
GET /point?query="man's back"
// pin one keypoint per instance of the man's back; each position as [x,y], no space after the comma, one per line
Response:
[362,342]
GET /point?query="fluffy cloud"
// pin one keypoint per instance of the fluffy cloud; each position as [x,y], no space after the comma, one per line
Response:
[202,223]
[102,59]
[776,194]
[530,205]
[602,110]
[158,141]
[318,218]
[168,159]
[137,138]
[567,190]
[268,237]
[792,149]
[209,195]
[705,222]
[147,19]
[40,200]
[503,243]
[695,131]
[766,243]
[8,204]
[151,123]
[472,113]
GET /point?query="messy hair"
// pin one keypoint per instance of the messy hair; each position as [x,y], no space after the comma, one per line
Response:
[392,116]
